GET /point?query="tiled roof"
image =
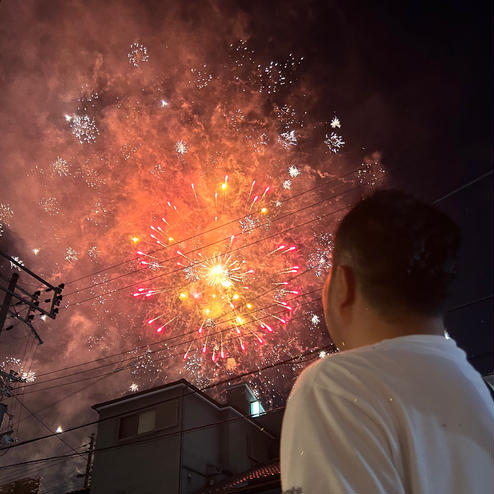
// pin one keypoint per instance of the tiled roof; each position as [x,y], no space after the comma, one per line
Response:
[266,472]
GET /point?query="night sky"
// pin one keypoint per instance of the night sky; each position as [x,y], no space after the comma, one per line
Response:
[110,110]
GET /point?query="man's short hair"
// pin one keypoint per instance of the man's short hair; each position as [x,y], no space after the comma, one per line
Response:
[403,252]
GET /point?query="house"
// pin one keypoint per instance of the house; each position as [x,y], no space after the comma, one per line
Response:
[176,439]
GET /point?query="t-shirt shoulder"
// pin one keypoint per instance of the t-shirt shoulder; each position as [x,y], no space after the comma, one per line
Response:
[337,374]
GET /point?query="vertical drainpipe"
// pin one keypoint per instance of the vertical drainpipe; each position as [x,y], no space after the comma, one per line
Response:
[181,441]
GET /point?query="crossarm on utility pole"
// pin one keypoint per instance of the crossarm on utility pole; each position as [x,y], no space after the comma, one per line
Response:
[7,299]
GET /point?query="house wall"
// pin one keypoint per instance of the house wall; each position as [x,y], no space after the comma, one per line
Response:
[200,448]
[142,464]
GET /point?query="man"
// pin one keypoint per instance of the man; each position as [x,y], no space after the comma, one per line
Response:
[399,409]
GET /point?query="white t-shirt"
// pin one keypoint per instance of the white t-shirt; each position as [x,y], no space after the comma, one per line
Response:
[406,415]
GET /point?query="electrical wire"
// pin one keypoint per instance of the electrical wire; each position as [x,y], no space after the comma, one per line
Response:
[193,392]
[235,220]
[135,357]
[318,218]
[57,435]
[160,342]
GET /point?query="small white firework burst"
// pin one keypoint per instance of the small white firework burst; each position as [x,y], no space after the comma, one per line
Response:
[190,273]
[320,259]
[323,354]
[334,142]
[134,387]
[194,366]
[61,167]
[293,171]
[248,224]
[158,170]
[154,265]
[286,115]
[13,265]
[287,184]
[93,253]
[71,255]
[28,376]
[335,123]
[260,143]
[91,176]
[84,128]
[201,77]
[235,119]
[181,147]
[288,139]
[371,172]
[6,214]
[138,54]
[128,150]
[144,364]
[277,74]
[49,205]
[278,204]
[314,320]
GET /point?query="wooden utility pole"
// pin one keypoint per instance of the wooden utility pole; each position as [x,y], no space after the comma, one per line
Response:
[7,299]
[87,475]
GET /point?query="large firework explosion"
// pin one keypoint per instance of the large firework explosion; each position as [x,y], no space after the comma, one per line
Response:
[225,155]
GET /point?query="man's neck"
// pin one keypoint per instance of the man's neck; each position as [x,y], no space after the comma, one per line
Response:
[375,329]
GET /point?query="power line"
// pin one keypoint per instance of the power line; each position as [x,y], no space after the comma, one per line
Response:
[319,218]
[77,391]
[164,340]
[464,186]
[182,431]
[103,376]
[222,241]
[31,470]
[195,391]
[44,425]
[450,310]
[472,302]
[147,439]
[235,220]
[134,357]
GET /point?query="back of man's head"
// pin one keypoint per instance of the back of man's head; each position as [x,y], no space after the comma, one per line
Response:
[402,252]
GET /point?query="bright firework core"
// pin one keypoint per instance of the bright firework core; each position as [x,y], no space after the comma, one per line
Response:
[225,274]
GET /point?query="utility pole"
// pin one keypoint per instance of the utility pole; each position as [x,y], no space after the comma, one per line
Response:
[6,391]
[87,475]
[17,298]
[7,299]
[47,308]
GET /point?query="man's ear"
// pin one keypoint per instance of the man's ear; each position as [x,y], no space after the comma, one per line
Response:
[344,286]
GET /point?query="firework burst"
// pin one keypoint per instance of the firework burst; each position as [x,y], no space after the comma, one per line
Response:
[230,289]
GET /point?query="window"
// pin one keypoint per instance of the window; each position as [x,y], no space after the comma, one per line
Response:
[256,408]
[147,421]
[162,416]
[139,423]
[128,426]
